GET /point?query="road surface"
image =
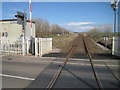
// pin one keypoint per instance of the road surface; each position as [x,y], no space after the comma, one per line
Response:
[32,72]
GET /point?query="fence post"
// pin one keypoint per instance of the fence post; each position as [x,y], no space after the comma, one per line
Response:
[28,46]
[5,46]
[36,47]
[20,47]
[11,47]
[14,46]
[40,47]
[33,45]
[50,44]
[8,47]
[23,46]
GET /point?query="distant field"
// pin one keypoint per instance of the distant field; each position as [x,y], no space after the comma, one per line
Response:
[62,40]
[99,38]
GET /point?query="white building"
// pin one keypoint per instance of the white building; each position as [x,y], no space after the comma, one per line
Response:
[12,41]
[11,30]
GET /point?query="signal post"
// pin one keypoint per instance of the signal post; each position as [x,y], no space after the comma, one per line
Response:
[21,19]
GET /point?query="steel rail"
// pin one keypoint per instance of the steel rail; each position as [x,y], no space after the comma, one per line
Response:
[112,73]
[91,62]
[56,76]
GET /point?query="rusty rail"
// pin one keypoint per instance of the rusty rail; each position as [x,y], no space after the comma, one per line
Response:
[91,62]
[56,76]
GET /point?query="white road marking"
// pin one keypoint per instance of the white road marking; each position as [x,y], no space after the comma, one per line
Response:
[17,77]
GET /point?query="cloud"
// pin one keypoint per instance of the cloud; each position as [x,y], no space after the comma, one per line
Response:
[85,28]
[78,23]
[10,15]
[14,9]
[79,26]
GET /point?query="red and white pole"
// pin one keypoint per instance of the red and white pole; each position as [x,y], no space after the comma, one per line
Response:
[30,7]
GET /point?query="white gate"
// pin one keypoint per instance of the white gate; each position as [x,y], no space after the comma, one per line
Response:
[43,46]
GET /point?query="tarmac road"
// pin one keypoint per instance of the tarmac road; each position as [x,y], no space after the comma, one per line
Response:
[31,72]
[18,73]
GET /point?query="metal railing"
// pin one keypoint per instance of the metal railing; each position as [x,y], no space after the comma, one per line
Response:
[11,46]
[34,46]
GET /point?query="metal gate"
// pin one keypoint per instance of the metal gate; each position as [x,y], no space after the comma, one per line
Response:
[11,46]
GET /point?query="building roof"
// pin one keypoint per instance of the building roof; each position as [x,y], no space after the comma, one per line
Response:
[5,20]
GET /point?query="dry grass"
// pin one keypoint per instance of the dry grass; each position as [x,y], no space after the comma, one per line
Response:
[63,40]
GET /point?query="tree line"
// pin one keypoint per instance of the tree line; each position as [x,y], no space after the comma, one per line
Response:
[101,31]
[45,29]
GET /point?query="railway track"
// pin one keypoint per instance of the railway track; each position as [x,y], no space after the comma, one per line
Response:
[61,67]
[56,68]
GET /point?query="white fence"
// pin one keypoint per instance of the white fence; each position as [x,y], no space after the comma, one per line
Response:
[43,46]
[116,46]
[11,46]
[35,46]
